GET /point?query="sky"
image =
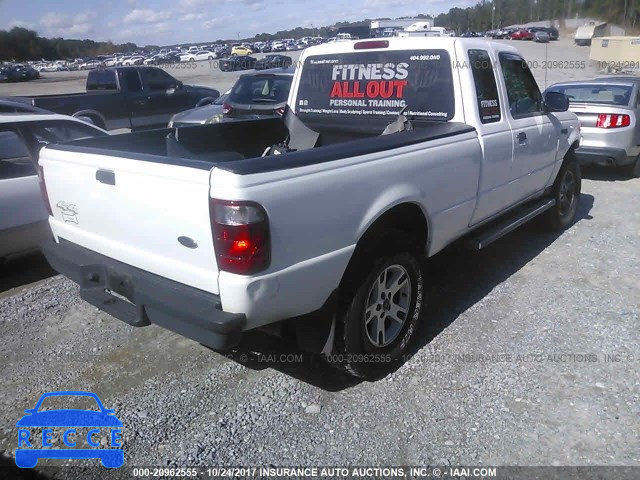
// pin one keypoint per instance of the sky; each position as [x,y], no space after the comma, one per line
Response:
[165,22]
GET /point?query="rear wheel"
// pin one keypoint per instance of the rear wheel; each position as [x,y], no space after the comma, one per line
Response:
[381,301]
[566,192]
[633,170]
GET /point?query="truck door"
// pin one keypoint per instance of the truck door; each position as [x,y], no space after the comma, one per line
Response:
[163,96]
[494,132]
[136,98]
[534,135]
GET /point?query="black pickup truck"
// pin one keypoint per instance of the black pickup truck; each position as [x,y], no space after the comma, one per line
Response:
[128,97]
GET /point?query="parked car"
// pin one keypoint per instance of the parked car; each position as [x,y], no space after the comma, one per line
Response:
[608,109]
[91,65]
[255,95]
[198,56]
[240,50]
[16,73]
[160,59]
[131,61]
[273,61]
[521,35]
[242,62]
[23,214]
[14,105]
[504,33]
[203,115]
[541,37]
[321,219]
[553,32]
[10,74]
[259,95]
[128,97]
[53,67]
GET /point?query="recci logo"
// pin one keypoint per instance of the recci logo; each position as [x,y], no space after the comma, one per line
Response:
[80,433]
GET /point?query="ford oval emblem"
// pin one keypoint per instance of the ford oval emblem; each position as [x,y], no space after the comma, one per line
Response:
[188,242]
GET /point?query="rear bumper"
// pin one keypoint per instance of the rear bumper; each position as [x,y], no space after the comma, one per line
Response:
[188,311]
[603,156]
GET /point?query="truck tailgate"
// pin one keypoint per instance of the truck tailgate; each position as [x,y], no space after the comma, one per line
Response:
[149,215]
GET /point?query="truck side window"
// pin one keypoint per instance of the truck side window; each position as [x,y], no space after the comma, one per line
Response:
[157,79]
[133,80]
[486,88]
[102,80]
[522,90]
[15,158]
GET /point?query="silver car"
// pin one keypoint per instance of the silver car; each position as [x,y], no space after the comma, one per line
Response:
[210,113]
[608,110]
[255,95]
[23,214]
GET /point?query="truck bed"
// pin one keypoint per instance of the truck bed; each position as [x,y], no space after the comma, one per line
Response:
[238,146]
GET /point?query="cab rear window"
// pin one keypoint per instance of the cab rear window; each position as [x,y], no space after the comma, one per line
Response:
[376,85]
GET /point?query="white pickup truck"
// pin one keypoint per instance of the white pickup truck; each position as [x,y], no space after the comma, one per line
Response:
[318,221]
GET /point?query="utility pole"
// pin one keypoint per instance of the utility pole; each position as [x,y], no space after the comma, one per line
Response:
[493,10]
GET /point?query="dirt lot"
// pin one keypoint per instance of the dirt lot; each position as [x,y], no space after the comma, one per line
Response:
[528,354]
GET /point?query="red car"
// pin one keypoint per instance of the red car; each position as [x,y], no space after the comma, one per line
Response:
[522,35]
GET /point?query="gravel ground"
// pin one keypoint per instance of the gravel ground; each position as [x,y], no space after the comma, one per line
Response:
[528,355]
[511,367]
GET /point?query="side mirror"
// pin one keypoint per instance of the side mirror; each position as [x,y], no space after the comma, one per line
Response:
[556,102]
[179,85]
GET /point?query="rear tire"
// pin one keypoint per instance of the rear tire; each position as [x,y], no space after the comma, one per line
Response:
[633,170]
[381,300]
[566,192]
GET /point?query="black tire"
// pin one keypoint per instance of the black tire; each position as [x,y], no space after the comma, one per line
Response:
[354,351]
[566,192]
[633,170]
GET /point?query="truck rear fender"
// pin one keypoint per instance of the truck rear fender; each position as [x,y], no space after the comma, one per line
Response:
[401,207]
[404,213]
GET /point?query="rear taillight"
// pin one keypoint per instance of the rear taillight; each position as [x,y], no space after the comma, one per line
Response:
[606,120]
[241,236]
[226,109]
[43,190]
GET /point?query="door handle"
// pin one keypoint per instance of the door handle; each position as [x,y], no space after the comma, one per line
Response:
[107,177]
[522,138]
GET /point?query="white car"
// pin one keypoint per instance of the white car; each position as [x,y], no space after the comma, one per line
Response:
[53,67]
[110,62]
[198,56]
[91,65]
[23,214]
[135,60]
